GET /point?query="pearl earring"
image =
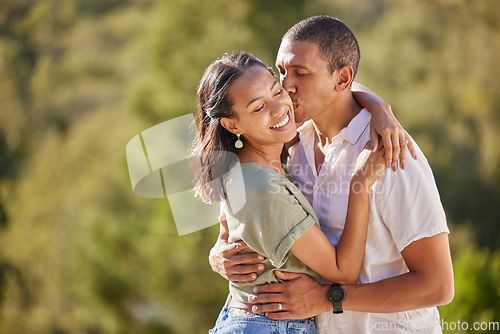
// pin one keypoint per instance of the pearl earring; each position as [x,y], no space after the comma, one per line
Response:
[238,143]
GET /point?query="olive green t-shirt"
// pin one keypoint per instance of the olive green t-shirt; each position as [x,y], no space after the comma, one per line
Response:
[274,215]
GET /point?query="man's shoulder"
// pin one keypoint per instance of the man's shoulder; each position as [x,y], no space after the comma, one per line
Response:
[418,168]
[415,182]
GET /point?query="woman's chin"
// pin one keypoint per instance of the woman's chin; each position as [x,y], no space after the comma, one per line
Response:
[290,134]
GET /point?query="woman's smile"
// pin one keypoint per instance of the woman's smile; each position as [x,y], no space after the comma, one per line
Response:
[283,124]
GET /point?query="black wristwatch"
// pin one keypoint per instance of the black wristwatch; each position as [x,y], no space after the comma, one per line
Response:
[336,295]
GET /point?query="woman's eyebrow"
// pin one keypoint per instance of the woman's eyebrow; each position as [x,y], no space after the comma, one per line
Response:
[258,98]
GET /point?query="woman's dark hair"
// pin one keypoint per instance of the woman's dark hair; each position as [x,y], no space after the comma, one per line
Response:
[213,151]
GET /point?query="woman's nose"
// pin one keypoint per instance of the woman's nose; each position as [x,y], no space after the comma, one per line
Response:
[278,107]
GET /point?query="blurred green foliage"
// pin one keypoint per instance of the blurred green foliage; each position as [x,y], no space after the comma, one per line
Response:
[80,253]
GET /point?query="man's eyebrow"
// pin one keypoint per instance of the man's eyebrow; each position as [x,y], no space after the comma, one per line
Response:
[257,98]
[299,66]
[293,66]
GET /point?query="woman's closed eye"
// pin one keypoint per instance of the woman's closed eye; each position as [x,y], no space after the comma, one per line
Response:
[260,108]
[279,92]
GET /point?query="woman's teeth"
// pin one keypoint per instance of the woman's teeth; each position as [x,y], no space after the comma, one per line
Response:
[280,124]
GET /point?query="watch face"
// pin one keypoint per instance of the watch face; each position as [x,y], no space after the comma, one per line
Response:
[336,295]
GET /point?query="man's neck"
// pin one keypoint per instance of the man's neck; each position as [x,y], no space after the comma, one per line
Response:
[330,122]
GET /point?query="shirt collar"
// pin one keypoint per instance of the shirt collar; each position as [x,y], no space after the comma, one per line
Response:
[351,133]
[306,133]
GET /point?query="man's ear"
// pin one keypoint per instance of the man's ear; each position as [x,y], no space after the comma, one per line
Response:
[345,75]
[230,125]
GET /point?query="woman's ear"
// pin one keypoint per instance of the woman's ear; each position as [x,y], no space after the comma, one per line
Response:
[230,125]
[345,75]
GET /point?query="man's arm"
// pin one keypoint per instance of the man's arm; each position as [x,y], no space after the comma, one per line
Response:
[429,283]
[225,260]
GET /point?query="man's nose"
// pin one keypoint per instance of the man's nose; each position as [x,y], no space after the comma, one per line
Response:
[287,83]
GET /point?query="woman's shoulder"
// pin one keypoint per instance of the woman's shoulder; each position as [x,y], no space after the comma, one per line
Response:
[251,187]
[261,178]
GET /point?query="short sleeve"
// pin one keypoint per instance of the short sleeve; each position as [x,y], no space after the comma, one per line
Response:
[409,203]
[271,220]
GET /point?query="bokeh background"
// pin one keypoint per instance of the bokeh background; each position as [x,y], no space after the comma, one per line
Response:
[80,253]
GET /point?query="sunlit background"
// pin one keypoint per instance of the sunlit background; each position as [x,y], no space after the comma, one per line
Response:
[80,253]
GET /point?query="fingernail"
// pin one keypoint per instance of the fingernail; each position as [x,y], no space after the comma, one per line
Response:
[251,298]
[260,266]
[260,257]
[278,272]
[394,167]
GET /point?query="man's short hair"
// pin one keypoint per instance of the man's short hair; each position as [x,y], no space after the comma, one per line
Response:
[336,42]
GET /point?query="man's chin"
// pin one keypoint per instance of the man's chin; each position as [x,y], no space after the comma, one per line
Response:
[300,117]
[301,114]
[299,120]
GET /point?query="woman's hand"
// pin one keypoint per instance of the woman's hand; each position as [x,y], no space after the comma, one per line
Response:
[395,139]
[384,125]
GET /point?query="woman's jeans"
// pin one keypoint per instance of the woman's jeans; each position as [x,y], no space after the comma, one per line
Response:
[234,320]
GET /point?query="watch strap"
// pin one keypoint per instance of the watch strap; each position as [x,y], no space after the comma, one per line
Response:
[337,308]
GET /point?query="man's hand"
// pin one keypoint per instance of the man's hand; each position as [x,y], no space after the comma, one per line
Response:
[224,258]
[300,297]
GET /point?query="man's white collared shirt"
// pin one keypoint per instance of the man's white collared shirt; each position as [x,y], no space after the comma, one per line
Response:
[404,207]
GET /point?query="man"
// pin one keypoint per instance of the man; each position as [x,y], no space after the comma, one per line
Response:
[407,268]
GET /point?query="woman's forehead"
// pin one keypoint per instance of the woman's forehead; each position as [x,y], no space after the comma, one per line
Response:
[254,81]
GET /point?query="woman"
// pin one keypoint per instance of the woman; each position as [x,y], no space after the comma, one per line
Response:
[244,112]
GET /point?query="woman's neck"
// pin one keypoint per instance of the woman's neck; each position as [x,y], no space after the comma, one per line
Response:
[266,155]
